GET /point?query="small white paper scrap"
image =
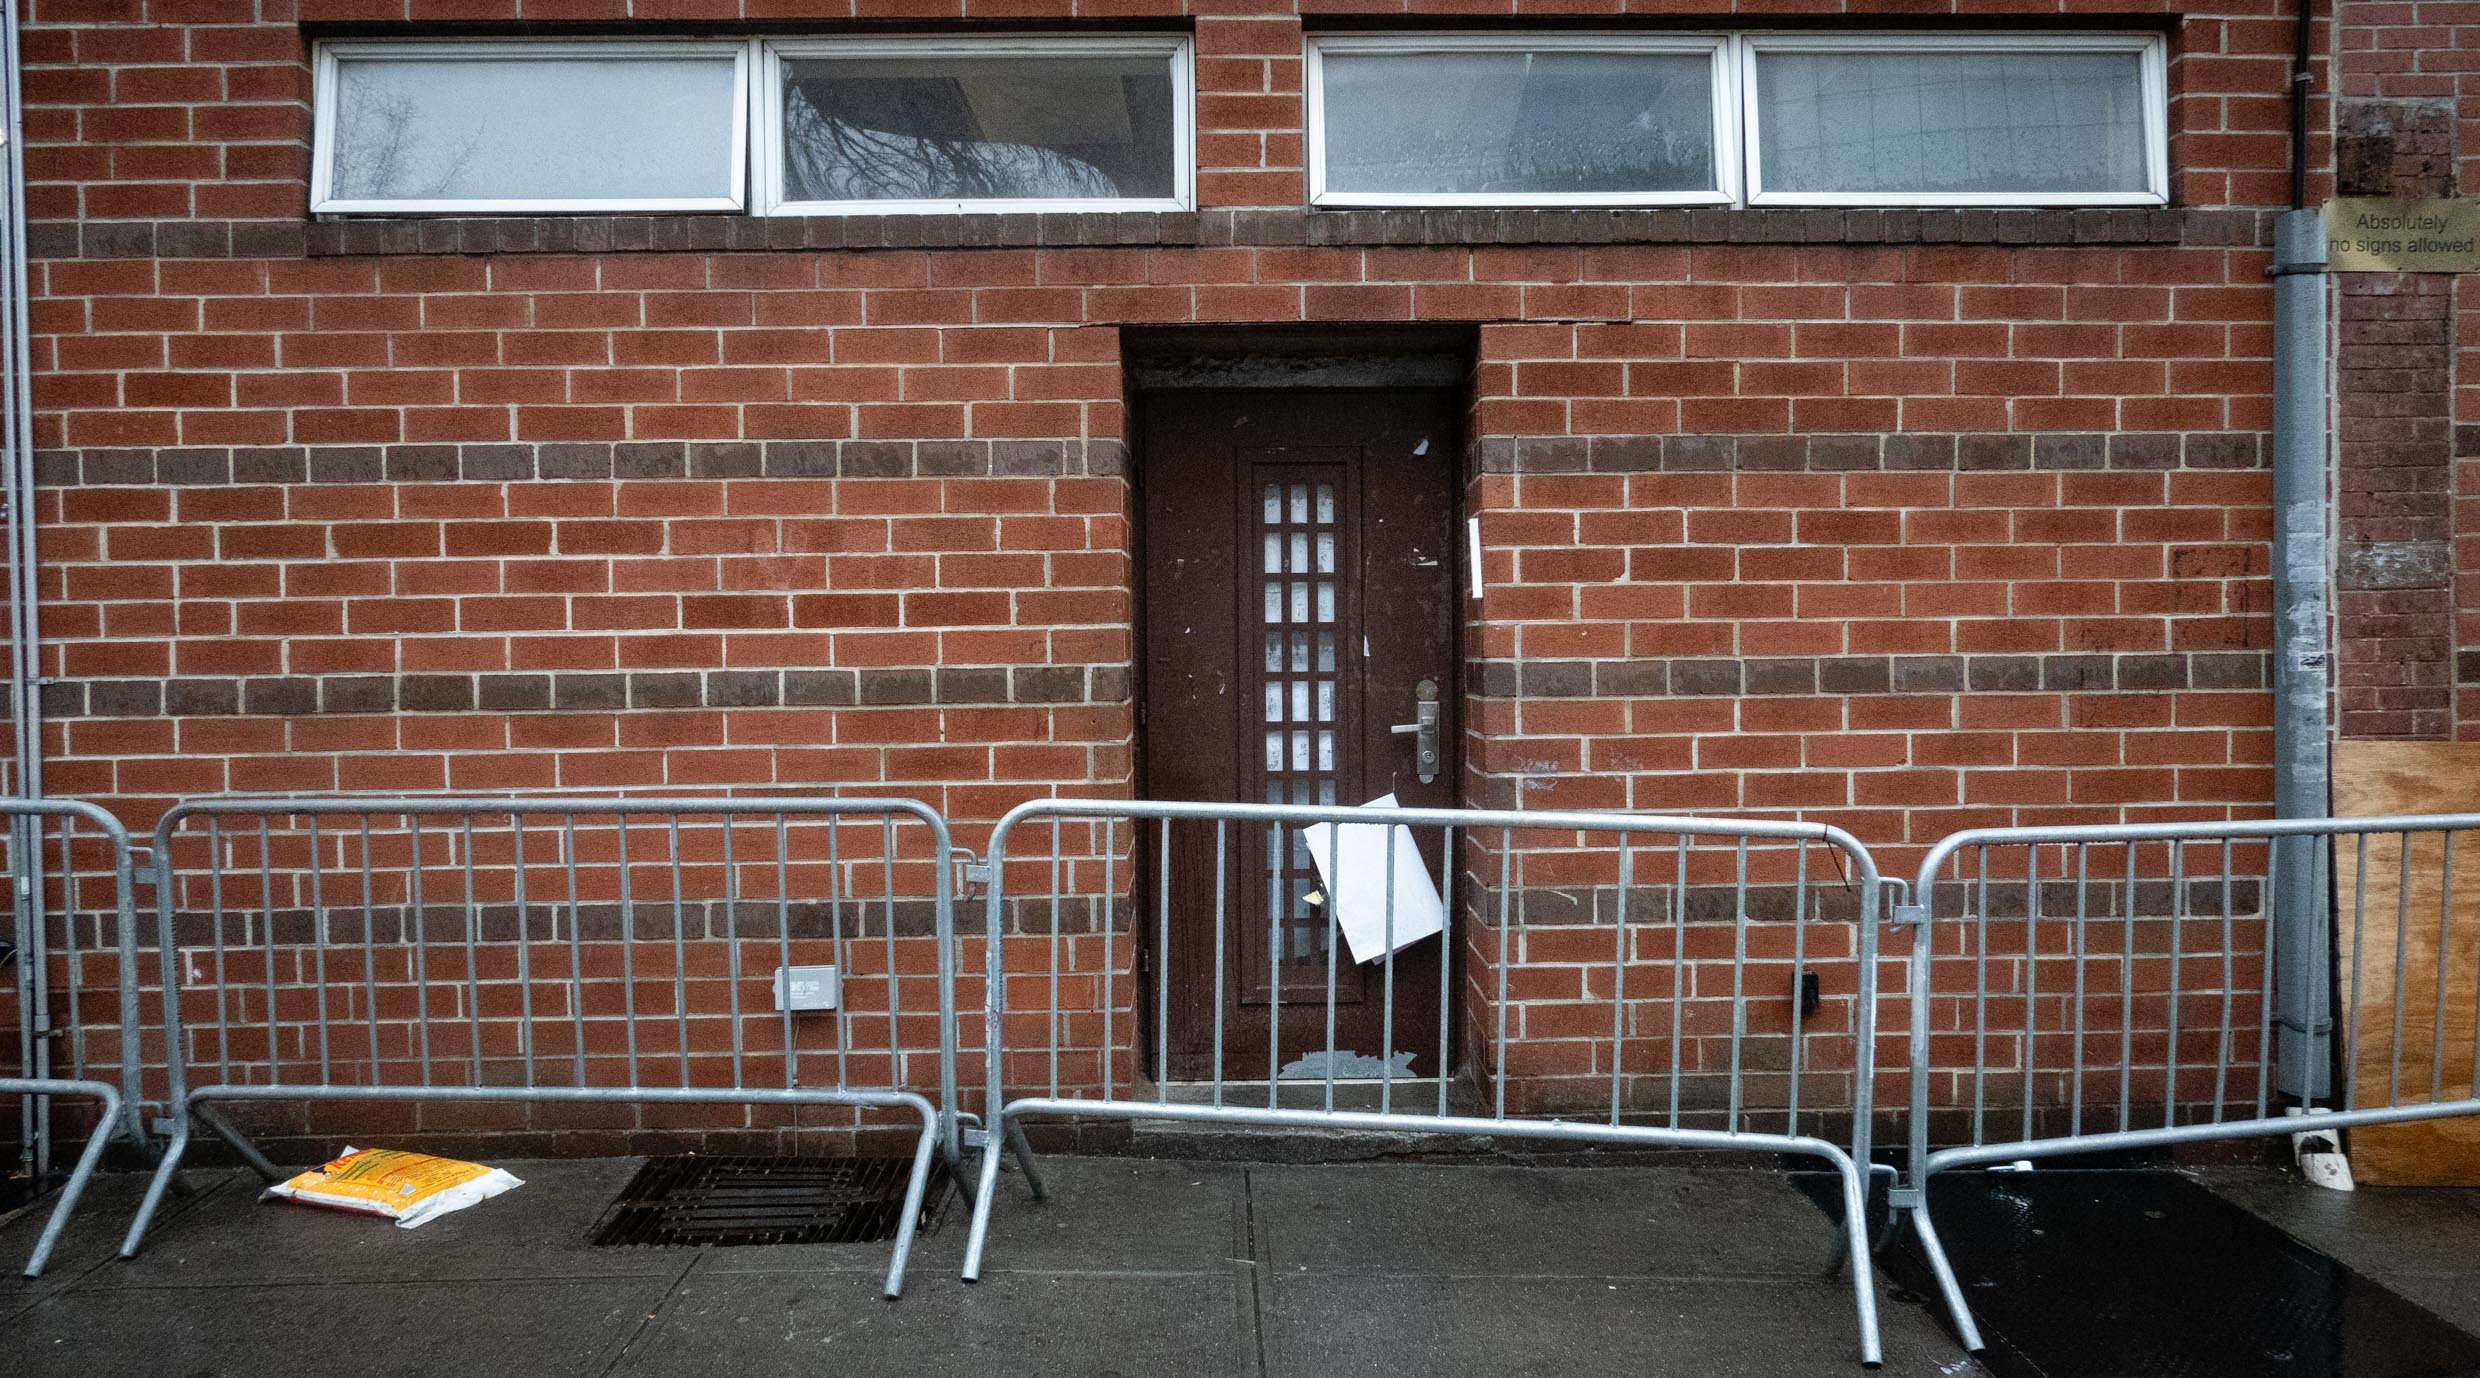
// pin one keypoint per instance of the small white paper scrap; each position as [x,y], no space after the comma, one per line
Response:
[1357,884]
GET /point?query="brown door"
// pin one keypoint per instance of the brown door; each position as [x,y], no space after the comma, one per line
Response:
[1300,567]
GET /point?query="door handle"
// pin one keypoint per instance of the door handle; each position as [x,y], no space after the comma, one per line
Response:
[1423,729]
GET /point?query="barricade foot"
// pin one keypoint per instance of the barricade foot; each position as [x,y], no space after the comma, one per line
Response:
[1948,1286]
[214,1119]
[1856,1246]
[983,1196]
[157,1184]
[1024,1157]
[78,1176]
[914,1190]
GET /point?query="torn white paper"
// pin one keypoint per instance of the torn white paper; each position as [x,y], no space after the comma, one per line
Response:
[1357,883]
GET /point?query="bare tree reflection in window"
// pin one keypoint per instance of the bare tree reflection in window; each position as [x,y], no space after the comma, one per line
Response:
[1552,123]
[380,151]
[977,129]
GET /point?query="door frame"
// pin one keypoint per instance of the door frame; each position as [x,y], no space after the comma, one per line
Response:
[1213,361]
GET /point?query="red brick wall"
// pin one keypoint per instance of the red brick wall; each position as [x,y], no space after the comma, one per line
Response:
[2408,384]
[1906,521]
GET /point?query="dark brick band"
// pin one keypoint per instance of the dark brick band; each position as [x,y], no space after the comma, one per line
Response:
[597,234]
[590,691]
[1838,675]
[602,461]
[2139,451]
[586,460]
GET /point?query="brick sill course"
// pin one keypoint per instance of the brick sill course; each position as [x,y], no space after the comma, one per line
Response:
[1142,229]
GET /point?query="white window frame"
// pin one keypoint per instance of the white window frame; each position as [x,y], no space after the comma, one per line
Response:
[324,93]
[1725,125]
[767,126]
[2150,47]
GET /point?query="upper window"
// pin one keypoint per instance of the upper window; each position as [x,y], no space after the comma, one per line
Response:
[1603,119]
[1539,120]
[1022,124]
[530,126]
[2057,119]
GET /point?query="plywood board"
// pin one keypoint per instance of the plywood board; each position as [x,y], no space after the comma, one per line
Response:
[2418,934]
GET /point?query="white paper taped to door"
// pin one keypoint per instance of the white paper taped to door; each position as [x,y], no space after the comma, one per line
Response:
[1358,881]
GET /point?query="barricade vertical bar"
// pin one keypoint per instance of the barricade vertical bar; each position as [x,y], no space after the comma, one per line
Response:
[1386,1021]
[1980,1004]
[2221,1055]
[1680,974]
[680,951]
[525,962]
[473,963]
[1739,976]
[2402,944]
[1222,887]
[2178,926]
[1450,942]
[215,908]
[835,934]
[419,933]
[1334,939]
[628,948]
[267,903]
[1277,903]
[1110,965]
[2030,1061]
[1056,889]
[2265,995]
[2359,929]
[370,955]
[576,949]
[2083,914]
[1618,984]
[1506,849]
[133,1019]
[1799,970]
[2322,949]
[322,935]
[2445,944]
[1162,963]
[68,949]
[783,948]
[2127,996]
[887,882]
[23,938]
[732,948]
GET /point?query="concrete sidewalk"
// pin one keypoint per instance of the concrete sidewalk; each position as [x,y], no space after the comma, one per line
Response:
[1135,1268]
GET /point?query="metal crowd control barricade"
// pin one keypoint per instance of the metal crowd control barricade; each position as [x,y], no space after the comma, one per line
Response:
[62,874]
[1666,911]
[508,950]
[2109,988]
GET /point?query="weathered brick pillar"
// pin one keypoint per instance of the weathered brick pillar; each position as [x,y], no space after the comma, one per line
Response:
[2395,604]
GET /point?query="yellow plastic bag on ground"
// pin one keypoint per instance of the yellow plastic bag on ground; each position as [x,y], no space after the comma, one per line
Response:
[408,1188]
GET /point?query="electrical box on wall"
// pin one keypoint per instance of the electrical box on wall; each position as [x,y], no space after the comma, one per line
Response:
[805,988]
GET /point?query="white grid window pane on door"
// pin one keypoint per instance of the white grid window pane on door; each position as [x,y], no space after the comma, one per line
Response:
[1299,569]
[519,126]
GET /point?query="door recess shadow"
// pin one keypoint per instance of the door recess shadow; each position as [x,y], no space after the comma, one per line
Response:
[2124,1274]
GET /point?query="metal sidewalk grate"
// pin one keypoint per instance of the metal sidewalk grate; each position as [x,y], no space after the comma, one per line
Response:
[723,1200]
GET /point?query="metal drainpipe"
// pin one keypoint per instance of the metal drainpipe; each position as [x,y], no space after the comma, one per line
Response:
[17,492]
[2302,770]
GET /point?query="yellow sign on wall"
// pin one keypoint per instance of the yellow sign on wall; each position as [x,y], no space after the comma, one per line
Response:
[2378,234]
